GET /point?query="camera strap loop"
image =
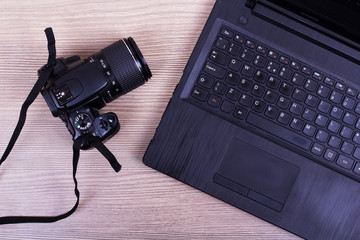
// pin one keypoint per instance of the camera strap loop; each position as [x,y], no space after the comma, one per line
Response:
[47,219]
[96,142]
[44,76]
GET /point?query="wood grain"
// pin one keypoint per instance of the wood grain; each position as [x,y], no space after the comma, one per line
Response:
[138,202]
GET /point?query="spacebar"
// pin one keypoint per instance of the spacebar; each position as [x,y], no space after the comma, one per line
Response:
[279,131]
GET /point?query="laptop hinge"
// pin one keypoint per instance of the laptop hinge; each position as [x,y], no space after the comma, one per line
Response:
[250,4]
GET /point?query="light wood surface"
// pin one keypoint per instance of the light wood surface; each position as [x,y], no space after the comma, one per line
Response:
[137,202]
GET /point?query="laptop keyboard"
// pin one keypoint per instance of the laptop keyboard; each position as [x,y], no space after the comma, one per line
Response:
[251,84]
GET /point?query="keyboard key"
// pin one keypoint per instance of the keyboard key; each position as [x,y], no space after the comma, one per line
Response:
[317,76]
[240,113]
[309,114]
[346,132]
[227,106]
[261,49]
[347,147]
[334,142]
[323,91]
[329,81]
[295,65]
[309,130]
[358,124]
[227,33]
[258,106]
[273,82]
[334,126]
[286,89]
[245,84]
[272,67]
[356,138]
[298,79]
[321,120]
[306,70]
[205,81]
[270,96]
[220,88]
[279,131]
[357,109]
[357,168]
[199,94]
[214,101]
[296,108]
[336,97]
[232,78]
[215,70]
[357,156]
[285,73]
[246,55]
[258,91]
[233,94]
[348,103]
[284,60]
[317,149]
[311,85]
[273,55]
[299,94]
[330,155]
[221,43]
[311,100]
[324,106]
[246,100]
[235,64]
[296,124]
[336,112]
[345,162]
[271,112]
[239,39]
[260,76]
[234,49]
[350,91]
[251,44]
[284,118]
[247,70]
[322,136]
[349,118]
[219,57]
[260,61]
[283,102]
[340,86]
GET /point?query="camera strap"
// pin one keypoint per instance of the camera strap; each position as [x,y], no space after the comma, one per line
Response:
[92,140]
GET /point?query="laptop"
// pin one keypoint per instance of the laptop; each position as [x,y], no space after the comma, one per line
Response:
[266,114]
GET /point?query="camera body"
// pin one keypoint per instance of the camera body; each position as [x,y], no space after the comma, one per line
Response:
[78,88]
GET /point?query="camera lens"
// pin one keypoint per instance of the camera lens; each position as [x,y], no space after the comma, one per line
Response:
[128,67]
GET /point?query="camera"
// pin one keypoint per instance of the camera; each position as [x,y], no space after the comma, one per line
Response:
[78,88]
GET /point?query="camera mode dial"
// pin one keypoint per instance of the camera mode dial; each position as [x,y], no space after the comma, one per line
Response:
[82,122]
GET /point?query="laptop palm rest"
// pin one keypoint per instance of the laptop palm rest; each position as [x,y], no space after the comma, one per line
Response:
[256,174]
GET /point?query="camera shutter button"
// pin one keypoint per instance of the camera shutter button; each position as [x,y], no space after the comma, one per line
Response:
[112,120]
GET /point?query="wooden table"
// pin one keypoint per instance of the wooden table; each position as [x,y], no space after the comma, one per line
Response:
[137,202]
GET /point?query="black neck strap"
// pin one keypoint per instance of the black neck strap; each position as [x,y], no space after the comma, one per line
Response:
[94,141]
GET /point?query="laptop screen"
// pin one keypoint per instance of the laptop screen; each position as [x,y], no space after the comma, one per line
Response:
[340,16]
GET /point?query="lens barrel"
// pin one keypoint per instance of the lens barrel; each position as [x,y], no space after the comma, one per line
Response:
[127,64]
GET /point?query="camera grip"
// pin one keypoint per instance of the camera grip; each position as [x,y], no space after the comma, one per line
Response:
[107,125]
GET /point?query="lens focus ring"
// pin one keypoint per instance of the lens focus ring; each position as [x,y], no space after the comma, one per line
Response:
[124,66]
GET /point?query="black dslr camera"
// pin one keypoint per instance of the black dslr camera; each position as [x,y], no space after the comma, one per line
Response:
[78,88]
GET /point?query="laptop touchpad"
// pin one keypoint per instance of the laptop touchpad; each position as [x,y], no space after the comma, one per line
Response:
[256,174]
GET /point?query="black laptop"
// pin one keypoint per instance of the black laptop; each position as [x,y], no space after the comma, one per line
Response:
[266,116]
